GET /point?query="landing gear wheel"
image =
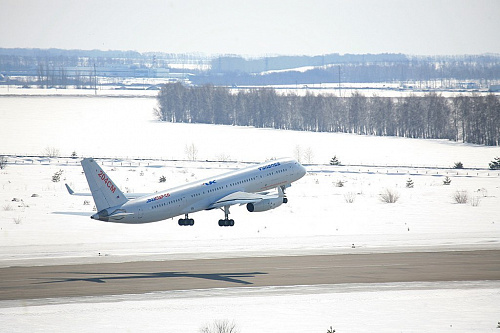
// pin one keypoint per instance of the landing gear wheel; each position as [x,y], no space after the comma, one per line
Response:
[186,221]
[226,223]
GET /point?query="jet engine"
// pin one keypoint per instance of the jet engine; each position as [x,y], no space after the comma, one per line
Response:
[266,204]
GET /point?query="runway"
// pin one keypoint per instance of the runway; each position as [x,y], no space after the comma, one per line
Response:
[150,276]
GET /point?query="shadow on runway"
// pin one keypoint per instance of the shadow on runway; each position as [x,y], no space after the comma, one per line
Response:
[108,277]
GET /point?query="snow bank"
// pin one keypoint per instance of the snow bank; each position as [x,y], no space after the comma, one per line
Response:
[396,307]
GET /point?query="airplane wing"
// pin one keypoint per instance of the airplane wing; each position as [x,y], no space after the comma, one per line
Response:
[239,198]
[242,198]
[88,194]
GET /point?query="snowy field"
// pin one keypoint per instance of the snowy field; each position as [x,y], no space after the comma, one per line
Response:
[318,218]
[126,128]
[135,88]
[54,227]
[392,308]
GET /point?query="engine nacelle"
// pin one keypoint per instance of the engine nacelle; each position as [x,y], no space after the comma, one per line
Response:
[266,204]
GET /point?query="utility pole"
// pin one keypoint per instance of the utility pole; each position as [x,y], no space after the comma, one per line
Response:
[340,89]
[95,80]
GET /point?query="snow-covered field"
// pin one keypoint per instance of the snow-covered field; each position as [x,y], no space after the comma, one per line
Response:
[137,88]
[318,218]
[395,307]
[126,128]
[55,228]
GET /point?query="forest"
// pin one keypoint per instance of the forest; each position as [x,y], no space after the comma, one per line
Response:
[466,118]
[483,69]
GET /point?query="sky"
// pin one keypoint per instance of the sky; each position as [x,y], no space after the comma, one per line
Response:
[255,27]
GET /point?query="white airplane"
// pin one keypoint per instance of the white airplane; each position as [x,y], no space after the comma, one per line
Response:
[245,186]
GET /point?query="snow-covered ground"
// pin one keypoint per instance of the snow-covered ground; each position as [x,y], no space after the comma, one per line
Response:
[104,91]
[54,227]
[394,307]
[127,128]
[317,219]
[137,88]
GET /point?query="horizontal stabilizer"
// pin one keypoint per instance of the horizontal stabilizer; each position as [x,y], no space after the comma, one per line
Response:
[70,190]
[88,194]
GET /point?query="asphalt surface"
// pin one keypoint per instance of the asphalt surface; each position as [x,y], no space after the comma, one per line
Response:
[149,276]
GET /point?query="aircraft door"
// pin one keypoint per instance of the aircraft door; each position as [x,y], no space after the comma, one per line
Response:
[140,213]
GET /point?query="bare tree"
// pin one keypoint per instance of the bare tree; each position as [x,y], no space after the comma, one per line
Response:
[220,326]
[308,155]
[298,153]
[191,152]
[51,152]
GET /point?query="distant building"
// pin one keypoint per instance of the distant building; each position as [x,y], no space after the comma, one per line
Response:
[495,88]
[468,85]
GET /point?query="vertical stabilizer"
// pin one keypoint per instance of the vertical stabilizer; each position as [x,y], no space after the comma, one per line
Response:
[104,191]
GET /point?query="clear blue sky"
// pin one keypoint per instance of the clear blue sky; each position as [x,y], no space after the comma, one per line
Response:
[255,27]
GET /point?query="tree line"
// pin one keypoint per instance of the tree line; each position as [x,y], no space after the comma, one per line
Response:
[467,118]
[426,71]
[239,71]
[233,63]
[352,68]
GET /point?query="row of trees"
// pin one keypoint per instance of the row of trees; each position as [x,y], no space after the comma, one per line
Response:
[419,71]
[235,70]
[443,63]
[233,63]
[334,68]
[467,118]
[51,77]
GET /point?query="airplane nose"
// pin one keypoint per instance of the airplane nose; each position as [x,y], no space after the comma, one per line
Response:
[301,170]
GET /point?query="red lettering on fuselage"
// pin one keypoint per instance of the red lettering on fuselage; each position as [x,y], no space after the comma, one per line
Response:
[158,197]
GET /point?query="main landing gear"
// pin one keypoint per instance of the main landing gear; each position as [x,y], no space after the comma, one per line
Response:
[226,222]
[186,221]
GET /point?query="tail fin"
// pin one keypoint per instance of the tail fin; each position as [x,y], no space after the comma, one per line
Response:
[104,191]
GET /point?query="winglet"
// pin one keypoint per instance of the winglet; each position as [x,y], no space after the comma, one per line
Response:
[69,189]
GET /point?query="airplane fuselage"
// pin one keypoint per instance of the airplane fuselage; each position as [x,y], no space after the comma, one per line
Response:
[201,195]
